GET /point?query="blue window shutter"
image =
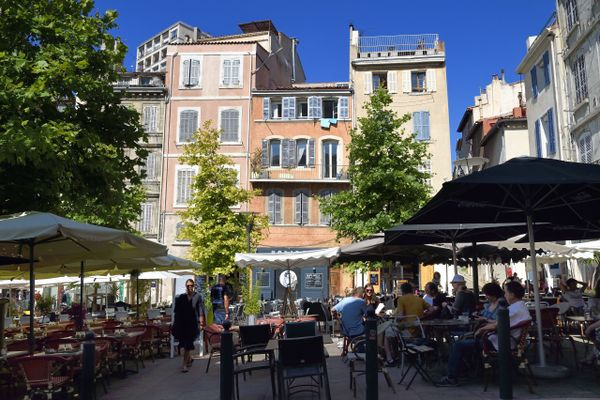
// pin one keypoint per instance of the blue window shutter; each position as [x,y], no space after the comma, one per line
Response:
[425,125]
[546,59]
[265,154]
[266,108]
[417,124]
[311,152]
[534,83]
[551,136]
[538,139]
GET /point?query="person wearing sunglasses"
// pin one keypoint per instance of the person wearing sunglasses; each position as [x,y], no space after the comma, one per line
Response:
[370,297]
[189,318]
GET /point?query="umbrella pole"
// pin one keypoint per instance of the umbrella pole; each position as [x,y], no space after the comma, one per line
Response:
[31,298]
[81,294]
[475,275]
[536,291]
[454,258]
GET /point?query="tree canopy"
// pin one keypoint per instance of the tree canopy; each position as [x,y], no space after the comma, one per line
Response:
[67,145]
[215,230]
[388,183]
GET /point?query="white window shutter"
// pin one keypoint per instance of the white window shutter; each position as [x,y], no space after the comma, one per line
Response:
[406,83]
[368,82]
[343,108]
[236,72]
[298,209]
[431,84]
[392,82]
[226,72]
[277,208]
[288,107]
[195,73]
[147,118]
[266,108]
[185,73]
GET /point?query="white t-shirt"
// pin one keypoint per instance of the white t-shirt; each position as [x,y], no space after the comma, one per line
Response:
[517,313]
[428,299]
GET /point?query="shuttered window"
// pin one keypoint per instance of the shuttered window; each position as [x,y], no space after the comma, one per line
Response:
[550,133]
[274,200]
[302,152]
[230,125]
[151,118]
[190,73]
[188,124]
[314,107]
[418,81]
[145,224]
[368,82]
[538,138]
[431,83]
[151,166]
[580,78]
[571,11]
[534,81]
[585,149]
[266,108]
[183,189]
[275,153]
[546,67]
[421,125]
[301,208]
[343,108]
[288,107]
[231,72]
[325,219]
[392,82]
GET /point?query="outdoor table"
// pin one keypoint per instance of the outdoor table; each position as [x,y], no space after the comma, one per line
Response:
[442,328]
[13,354]
[583,323]
[61,353]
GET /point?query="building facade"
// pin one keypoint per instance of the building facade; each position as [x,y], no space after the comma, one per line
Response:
[547,108]
[212,80]
[579,22]
[299,138]
[151,55]
[494,129]
[413,69]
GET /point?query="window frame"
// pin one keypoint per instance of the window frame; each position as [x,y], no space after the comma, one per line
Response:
[148,128]
[305,141]
[182,85]
[419,128]
[270,150]
[180,110]
[178,168]
[325,193]
[149,223]
[580,79]
[586,156]
[279,194]
[302,195]
[230,85]
[571,14]
[239,130]
[423,89]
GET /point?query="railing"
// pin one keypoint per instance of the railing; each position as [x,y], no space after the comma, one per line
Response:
[320,172]
[139,81]
[398,43]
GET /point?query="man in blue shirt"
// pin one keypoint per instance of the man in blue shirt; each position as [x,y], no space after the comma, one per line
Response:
[220,295]
[352,310]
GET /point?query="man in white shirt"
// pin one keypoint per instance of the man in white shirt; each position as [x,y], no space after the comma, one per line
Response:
[517,313]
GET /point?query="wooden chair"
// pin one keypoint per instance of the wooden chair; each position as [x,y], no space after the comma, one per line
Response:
[41,377]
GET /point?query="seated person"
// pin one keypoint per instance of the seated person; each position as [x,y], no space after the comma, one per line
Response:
[434,298]
[517,313]
[370,297]
[495,297]
[352,310]
[464,302]
[573,295]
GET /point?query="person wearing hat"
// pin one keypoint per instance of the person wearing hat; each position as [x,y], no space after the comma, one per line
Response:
[464,301]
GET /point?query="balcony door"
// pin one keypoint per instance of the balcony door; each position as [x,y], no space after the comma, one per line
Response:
[330,158]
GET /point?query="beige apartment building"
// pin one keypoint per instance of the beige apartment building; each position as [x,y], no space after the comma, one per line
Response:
[413,69]
[212,79]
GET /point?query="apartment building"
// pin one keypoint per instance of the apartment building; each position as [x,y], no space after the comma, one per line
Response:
[151,55]
[544,76]
[494,129]
[212,79]
[413,69]
[146,92]
[299,138]
[580,31]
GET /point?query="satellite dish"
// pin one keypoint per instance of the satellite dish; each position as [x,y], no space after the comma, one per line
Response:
[288,278]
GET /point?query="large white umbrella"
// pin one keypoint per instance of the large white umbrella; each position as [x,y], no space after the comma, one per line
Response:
[47,239]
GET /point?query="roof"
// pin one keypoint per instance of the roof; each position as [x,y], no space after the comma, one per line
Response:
[258,26]
[474,129]
[464,119]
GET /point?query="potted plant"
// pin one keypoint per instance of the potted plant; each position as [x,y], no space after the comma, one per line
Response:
[251,301]
[256,163]
[44,305]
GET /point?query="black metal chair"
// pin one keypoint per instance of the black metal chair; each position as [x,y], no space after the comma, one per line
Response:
[299,329]
[254,339]
[300,359]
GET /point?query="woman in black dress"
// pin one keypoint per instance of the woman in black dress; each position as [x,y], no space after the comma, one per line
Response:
[189,317]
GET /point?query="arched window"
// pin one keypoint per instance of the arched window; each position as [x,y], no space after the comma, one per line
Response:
[330,158]
[301,215]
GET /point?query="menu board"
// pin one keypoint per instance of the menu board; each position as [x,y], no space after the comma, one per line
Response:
[374,279]
[263,278]
[313,280]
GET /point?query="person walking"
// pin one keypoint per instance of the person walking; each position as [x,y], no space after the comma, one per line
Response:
[189,318]
[220,295]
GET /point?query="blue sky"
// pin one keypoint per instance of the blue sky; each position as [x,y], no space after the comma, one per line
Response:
[481,36]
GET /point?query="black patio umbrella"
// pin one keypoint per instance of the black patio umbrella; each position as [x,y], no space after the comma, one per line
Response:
[521,189]
[550,232]
[413,234]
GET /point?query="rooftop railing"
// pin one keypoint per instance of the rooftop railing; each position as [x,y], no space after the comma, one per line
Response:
[398,43]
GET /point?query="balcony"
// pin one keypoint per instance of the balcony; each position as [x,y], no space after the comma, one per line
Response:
[321,173]
[400,45]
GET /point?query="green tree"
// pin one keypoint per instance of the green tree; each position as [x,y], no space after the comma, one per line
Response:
[386,179]
[67,145]
[216,232]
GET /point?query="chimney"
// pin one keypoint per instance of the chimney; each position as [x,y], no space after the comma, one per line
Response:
[502,73]
[495,77]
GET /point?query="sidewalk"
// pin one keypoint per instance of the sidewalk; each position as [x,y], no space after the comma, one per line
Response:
[162,380]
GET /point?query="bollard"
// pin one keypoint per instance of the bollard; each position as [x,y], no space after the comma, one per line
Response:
[226,378]
[504,354]
[3,307]
[371,356]
[88,368]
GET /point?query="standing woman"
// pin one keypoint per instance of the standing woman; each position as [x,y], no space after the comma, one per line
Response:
[189,318]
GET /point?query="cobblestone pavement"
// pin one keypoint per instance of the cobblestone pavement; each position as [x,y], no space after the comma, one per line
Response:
[163,380]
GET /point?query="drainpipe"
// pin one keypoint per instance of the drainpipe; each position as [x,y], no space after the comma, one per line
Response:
[165,170]
[294,43]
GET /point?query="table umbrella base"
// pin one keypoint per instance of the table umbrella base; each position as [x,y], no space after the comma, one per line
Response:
[549,371]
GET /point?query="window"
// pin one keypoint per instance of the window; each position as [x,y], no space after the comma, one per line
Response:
[146,216]
[534,81]
[330,154]
[174,34]
[329,108]
[379,79]
[183,184]
[188,124]
[421,125]
[274,198]
[151,118]
[231,72]
[550,136]
[302,108]
[314,107]
[325,219]
[190,72]
[425,168]
[266,108]
[151,166]
[343,107]
[579,76]
[584,147]
[301,208]
[571,11]
[229,123]
[275,153]
[178,232]
[538,138]
[546,68]
[288,107]
[418,83]
[301,152]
